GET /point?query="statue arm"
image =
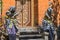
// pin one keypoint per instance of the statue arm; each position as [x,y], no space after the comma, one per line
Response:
[47,15]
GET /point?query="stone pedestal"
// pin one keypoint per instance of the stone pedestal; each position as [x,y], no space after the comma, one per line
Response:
[46,35]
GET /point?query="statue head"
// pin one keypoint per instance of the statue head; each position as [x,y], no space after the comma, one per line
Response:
[50,4]
[12,9]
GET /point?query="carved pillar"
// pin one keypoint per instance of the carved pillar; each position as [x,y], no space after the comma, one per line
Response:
[56,11]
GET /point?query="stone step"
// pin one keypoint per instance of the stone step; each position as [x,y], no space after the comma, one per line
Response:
[28,33]
[30,36]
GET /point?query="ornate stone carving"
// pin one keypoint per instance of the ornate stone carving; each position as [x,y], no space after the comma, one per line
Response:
[24,12]
[22,2]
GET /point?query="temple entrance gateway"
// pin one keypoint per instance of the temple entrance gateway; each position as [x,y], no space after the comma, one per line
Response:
[27,17]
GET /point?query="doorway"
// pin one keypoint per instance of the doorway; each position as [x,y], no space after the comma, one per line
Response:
[28,11]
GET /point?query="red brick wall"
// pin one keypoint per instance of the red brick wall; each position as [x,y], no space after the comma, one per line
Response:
[6,5]
[42,7]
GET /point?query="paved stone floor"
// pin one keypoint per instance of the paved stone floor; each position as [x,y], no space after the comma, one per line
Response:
[31,39]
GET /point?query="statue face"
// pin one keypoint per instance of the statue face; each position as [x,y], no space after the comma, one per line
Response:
[50,5]
[12,9]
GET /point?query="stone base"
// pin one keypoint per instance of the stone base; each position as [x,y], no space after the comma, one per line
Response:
[27,29]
